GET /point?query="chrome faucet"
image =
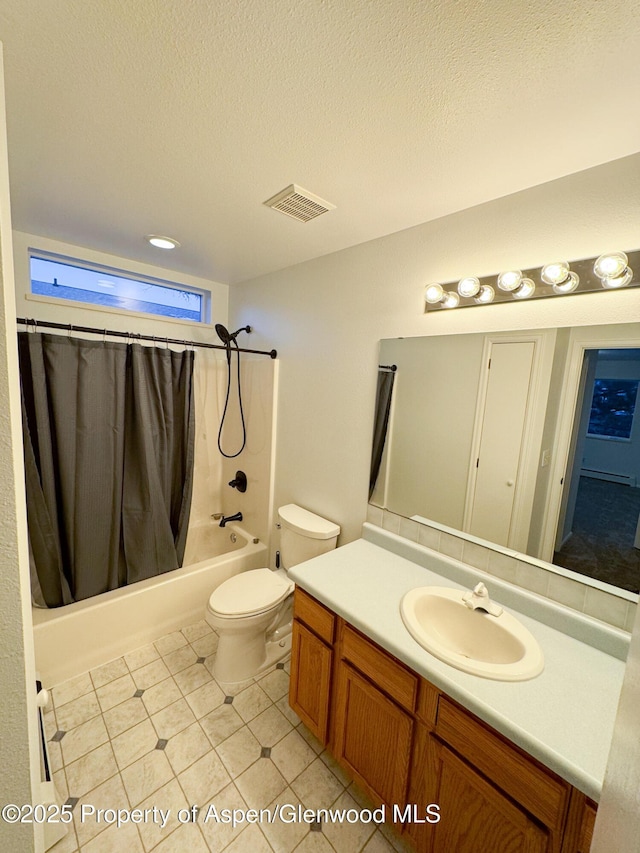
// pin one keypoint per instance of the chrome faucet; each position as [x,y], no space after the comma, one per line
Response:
[225,519]
[479,600]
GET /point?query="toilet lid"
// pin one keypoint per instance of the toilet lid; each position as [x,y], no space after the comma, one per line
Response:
[250,592]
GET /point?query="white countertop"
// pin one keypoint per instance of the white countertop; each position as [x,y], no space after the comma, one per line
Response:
[564,717]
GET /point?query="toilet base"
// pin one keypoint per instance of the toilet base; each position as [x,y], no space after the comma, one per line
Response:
[277,650]
[256,657]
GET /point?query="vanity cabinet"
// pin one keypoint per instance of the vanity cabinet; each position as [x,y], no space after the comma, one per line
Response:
[409,745]
[311,662]
[587,824]
[372,717]
[485,819]
[502,800]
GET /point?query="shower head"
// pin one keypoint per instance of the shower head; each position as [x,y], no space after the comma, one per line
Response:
[226,336]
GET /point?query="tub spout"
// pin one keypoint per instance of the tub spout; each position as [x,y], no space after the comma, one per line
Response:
[227,518]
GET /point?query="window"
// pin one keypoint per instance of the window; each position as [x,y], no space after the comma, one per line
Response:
[59,278]
[612,408]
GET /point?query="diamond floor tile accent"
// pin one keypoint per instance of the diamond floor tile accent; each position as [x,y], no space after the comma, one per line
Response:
[154,728]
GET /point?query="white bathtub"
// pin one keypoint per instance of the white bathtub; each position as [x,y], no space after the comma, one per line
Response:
[73,639]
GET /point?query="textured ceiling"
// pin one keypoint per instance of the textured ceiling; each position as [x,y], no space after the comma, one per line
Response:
[180,117]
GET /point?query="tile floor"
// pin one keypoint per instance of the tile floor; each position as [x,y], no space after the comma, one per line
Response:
[155,729]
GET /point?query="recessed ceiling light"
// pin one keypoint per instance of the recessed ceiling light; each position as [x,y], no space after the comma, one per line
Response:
[162,242]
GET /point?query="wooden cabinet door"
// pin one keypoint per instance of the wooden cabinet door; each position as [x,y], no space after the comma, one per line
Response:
[310,682]
[475,817]
[586,830]
[372,737]
[423,785]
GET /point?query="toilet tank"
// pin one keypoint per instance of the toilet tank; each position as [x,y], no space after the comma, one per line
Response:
[304,535]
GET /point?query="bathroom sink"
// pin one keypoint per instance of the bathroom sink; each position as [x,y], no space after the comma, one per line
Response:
[455,627]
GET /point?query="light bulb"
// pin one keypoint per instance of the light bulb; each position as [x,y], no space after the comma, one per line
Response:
[162,242]
[555,273]
[450,299]
[433,293]
[611,265]
[509,280]
[620,281]
[486,294]
[526,289]
[469,286]
[568,285]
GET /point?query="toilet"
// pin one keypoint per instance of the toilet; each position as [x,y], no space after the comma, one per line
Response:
[252,611]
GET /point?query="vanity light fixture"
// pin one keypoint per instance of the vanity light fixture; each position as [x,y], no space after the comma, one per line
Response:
[610,271]
[555,273]
[613,270]
[526,289]
[469,286]
[509,280]
[451,300]
[568,285]
[486,294]
[435,294]
[161,242]
[560,277]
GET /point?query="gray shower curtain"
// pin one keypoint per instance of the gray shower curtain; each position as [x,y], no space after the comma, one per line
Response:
[384,394]
[109,437]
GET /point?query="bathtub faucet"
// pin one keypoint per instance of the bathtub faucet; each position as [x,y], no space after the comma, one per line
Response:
[225,519]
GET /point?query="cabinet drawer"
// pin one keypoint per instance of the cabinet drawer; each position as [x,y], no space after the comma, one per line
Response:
[381,668]
[314,615]
[543,794]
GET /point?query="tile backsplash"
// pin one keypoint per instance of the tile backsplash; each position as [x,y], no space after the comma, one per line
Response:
[607,607]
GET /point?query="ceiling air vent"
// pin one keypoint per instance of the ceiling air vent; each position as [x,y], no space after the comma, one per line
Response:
[299,204]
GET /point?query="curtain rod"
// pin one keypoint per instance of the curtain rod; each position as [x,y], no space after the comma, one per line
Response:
[391,367]
[132,337]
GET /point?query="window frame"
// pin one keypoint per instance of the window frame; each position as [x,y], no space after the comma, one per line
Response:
[606,436]
[104,269]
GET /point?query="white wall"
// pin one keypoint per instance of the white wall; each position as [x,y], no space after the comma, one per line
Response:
[618,821]
[259,382]
[213,472]
[325,317]
[554,404]
[19,743]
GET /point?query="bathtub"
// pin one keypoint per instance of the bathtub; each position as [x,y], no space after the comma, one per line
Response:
[73,639]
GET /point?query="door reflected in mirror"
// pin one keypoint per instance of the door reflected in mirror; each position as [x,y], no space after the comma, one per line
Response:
[528,439]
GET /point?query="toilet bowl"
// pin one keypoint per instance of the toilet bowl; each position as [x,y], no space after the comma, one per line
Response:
[243,611]
[252,612]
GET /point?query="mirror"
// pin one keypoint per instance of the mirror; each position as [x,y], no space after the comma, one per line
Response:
[529,440]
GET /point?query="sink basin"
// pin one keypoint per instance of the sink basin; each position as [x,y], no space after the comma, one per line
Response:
[497,647]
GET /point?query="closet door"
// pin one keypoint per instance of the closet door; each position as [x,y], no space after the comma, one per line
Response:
[502,429]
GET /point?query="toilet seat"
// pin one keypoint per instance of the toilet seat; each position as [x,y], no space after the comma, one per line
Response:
[250,593]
